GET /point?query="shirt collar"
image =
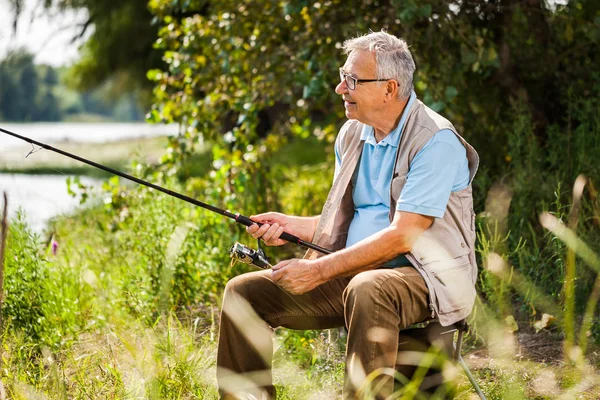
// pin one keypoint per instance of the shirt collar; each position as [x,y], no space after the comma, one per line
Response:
[368,133]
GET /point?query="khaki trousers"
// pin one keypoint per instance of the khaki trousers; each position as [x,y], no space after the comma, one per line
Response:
[373,305]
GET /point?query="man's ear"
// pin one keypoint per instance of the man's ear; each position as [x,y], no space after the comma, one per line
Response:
[391,91]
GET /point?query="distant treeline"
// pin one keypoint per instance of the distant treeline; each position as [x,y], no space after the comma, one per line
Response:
[31,93]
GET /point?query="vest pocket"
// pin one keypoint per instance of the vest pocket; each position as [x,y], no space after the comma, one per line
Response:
[430,252]
[453,285]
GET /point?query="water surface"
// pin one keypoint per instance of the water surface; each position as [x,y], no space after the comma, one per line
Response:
[42,197]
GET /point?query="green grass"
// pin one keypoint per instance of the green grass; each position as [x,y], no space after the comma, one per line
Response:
[103,335]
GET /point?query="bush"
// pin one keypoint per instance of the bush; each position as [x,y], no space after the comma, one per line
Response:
[42,300]
[26,271]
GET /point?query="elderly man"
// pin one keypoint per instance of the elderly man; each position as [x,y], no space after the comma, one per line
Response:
[399,217]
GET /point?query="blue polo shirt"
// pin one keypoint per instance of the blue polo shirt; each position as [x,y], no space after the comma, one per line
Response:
[441,167]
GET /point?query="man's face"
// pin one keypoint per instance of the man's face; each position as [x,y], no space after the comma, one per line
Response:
[365,101]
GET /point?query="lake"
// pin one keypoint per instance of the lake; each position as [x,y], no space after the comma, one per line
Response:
[42,197]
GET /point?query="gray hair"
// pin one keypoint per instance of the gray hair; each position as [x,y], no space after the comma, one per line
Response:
[393,59]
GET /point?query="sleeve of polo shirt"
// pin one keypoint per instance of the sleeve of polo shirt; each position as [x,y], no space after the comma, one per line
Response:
[432,175]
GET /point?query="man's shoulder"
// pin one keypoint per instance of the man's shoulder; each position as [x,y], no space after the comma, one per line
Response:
[426,118]
[446,138]
[349,133]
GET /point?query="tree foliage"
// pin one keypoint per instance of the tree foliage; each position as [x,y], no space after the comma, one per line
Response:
[239,71]
[229,62]
[26,91]
[118,48]
[473,56]
[31,93]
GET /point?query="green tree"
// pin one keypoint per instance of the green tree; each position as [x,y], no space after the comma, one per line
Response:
[29,86]
[119,48]
[8,87]
[529,51]
[47,107]
[26,90]
[473,57]
[19,87]
[50,77]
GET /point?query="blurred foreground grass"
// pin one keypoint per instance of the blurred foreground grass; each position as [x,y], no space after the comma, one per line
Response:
[87,322]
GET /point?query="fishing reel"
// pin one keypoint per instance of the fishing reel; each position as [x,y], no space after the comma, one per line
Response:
[245,254]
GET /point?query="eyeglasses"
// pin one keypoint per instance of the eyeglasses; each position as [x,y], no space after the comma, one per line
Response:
[352,81]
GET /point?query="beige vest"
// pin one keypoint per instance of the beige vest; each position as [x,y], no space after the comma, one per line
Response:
[445,253]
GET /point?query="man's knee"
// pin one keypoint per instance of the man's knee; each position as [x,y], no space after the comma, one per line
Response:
[237,284]
[245,299]
[364,287]
[246,285]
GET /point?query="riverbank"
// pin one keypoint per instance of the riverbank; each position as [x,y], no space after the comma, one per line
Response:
[35,182]
[118,154]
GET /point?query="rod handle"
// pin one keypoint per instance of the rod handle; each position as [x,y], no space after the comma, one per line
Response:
[247,222]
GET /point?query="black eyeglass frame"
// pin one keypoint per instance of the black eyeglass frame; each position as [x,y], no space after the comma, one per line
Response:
[354,81]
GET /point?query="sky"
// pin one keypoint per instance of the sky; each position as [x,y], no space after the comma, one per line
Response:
[48,37]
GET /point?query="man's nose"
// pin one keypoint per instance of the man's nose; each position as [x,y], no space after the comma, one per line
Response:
[341,88]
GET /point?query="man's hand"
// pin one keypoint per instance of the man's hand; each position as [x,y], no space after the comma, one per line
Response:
[274,224]
[297,276]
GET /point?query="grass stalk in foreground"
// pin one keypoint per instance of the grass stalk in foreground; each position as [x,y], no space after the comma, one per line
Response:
[3,234]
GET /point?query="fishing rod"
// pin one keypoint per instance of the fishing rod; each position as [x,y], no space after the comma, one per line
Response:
[238,251]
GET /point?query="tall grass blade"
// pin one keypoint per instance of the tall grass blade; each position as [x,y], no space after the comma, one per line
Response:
[499,267]
[3,234]
[173,249]
[588,315]
[570,265]
[576,247]
[569,237]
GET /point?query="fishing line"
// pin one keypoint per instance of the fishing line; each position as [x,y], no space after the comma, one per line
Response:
[237,217]
[33,150]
